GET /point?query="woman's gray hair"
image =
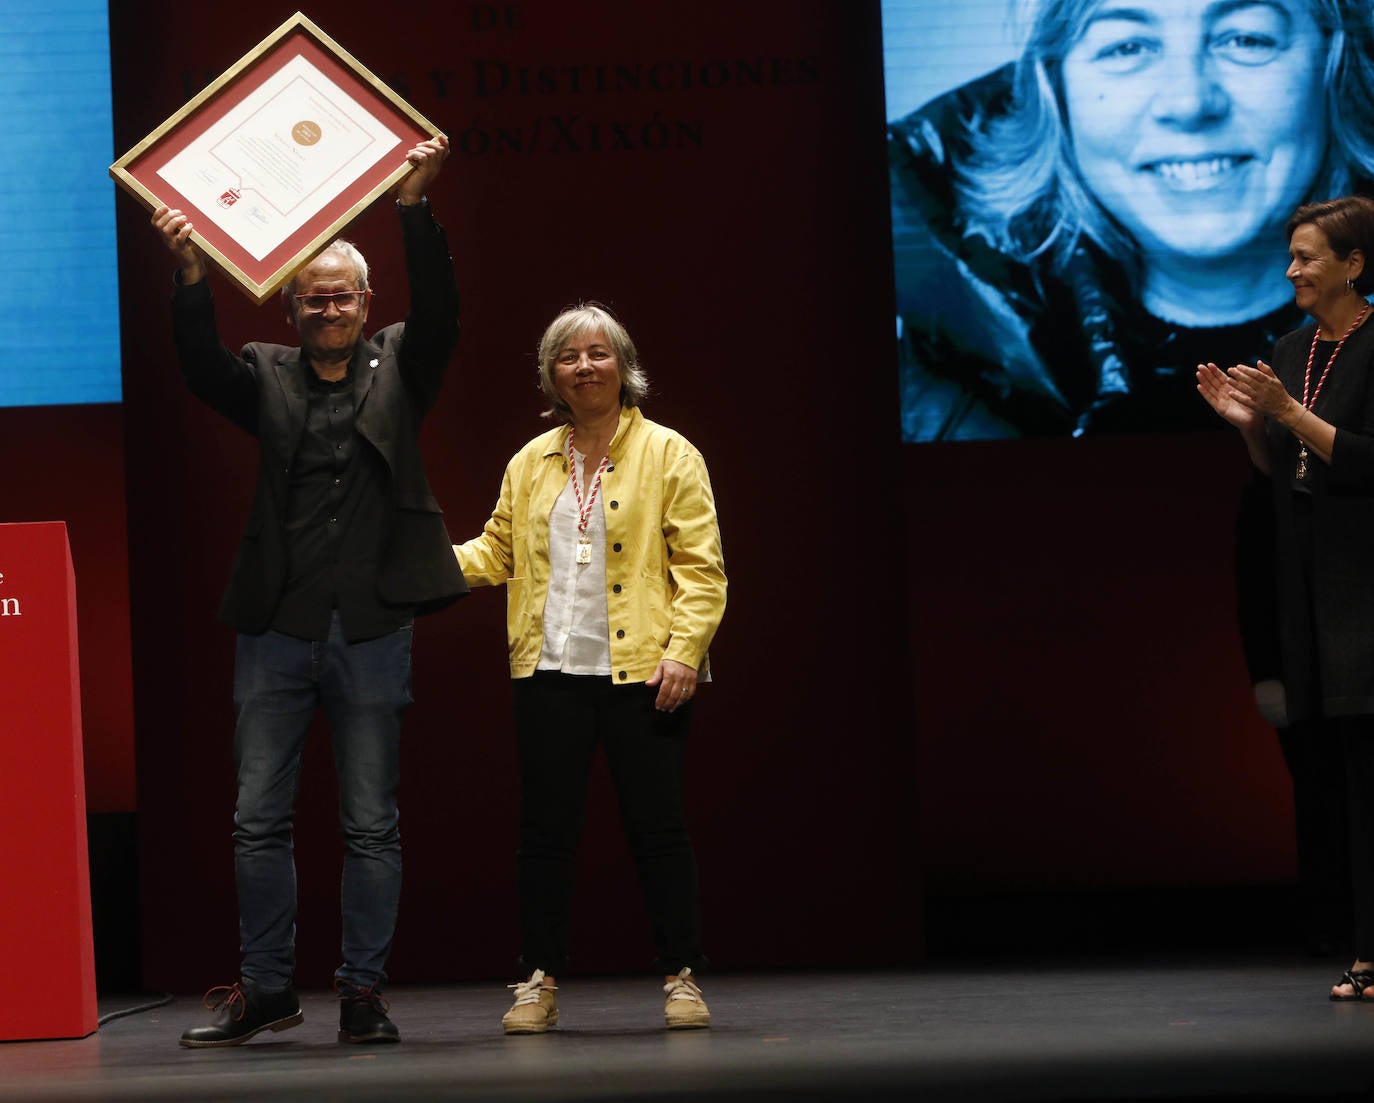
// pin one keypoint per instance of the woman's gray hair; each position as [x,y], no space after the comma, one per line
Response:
[577,321]
[345,249]
[1020,188]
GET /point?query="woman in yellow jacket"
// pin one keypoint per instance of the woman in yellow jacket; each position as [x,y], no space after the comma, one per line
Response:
[606,539]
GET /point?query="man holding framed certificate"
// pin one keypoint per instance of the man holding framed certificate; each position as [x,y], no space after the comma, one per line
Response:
[343,547]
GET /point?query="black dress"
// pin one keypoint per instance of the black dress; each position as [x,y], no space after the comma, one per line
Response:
[1325,534]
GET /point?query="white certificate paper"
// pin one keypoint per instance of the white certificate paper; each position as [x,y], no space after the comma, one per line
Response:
[279,157]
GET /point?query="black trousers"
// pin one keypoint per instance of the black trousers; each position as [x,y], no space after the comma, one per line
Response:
[1316,759]
[559,721]
[1357,734]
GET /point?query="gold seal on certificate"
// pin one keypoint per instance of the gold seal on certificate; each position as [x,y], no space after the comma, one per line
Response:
[277,156]
[306,133]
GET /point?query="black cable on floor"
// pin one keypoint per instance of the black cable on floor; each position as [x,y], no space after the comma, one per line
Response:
[110,1016]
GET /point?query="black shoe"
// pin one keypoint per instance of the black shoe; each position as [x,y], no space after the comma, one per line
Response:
[362,1015]
[243,1010]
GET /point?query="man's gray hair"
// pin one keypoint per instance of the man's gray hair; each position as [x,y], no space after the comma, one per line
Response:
[345,249]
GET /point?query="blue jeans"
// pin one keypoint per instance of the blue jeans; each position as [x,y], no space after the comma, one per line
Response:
[279,682]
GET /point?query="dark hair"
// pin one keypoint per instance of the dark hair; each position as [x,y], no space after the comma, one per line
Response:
[1348,223]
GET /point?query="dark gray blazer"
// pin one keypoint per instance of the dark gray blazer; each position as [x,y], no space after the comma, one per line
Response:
[397,374]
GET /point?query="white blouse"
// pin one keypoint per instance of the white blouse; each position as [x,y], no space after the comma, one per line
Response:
[577,629]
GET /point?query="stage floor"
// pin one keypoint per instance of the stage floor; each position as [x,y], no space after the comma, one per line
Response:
[1174,1030]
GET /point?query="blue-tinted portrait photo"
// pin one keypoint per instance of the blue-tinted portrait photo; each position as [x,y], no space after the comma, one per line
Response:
[1097,202]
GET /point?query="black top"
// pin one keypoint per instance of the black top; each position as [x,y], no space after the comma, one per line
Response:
[1324,535]
[334,519]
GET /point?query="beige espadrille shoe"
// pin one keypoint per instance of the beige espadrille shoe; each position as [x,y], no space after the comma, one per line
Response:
[535,1009]
[684,1008]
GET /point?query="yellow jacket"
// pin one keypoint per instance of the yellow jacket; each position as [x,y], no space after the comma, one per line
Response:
[665,574]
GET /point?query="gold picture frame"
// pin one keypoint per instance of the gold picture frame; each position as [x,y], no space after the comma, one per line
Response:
[311,136]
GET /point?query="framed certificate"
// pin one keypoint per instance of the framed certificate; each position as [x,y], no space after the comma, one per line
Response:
[277,156]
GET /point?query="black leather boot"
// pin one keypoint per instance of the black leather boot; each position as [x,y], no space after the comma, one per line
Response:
[362,1015]
[241,1011]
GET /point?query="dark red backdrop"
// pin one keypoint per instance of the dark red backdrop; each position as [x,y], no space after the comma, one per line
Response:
[989,665]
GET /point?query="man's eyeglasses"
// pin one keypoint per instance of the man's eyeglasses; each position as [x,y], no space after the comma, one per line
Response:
[345,301]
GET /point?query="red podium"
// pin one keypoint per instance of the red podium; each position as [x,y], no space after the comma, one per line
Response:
[48,977]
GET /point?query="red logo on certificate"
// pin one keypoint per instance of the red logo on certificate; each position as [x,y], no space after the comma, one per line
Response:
[230,197]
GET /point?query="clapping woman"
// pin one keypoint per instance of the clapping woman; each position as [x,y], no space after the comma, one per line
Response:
[1308,424]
